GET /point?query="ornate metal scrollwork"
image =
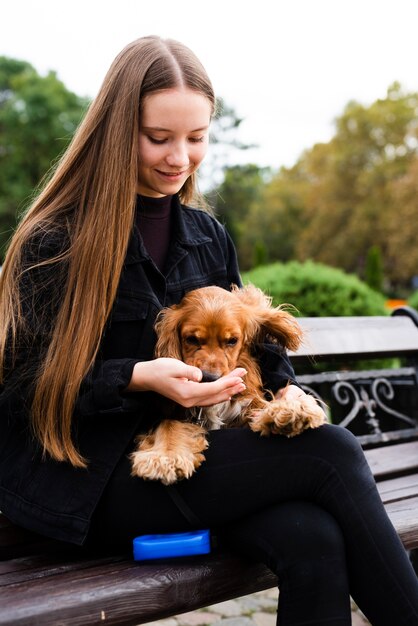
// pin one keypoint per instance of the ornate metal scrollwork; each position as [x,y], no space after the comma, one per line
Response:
[367,396]
[346,393]
[386,389]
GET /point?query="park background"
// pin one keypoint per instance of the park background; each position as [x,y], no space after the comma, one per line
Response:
[314,158]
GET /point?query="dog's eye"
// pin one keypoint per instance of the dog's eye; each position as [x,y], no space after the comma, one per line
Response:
[192,340]
[232,341]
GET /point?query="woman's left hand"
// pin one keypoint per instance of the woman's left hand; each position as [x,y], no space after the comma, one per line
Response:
[290,392]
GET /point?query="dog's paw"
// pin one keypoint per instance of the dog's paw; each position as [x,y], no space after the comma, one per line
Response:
[288,417]
[168,468]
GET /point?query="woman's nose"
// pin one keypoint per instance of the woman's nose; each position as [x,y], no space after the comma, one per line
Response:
[178,156]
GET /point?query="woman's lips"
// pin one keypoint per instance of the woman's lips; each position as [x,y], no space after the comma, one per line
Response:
[173,176]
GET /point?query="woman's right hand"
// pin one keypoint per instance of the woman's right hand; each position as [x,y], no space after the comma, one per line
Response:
[180,382]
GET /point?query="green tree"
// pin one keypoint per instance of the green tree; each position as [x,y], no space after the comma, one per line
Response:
[38,117]
[224,144]
[350,203]
[260,254]
[374,269]
[343,197]
[402,248]
[275,218]
[232,202]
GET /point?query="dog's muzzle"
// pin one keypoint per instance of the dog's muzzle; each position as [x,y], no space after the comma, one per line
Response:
[208,377]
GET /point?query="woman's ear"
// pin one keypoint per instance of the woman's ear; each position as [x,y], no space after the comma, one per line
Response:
[167,328]
[264,319]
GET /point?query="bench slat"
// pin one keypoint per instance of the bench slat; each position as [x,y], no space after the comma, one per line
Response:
[404,516]
[394,459]
[31,568]
[144,592]
[345,336]
[398,488]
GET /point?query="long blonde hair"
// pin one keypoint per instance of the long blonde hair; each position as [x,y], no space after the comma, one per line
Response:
[93,188]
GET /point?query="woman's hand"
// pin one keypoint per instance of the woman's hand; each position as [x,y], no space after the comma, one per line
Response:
[293,392]
[180,382]
[290,392]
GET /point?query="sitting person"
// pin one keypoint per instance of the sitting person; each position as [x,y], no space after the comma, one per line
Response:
[110,240]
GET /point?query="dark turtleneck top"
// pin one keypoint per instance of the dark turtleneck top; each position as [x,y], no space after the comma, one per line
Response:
[153,219]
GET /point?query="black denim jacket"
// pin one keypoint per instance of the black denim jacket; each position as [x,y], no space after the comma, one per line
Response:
[55,498]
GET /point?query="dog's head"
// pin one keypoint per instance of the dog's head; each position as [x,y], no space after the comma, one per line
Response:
[213,329]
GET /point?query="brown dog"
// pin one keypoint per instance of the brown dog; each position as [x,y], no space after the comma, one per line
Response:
[214,330]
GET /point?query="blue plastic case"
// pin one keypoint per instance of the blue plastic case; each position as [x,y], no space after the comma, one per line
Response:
[171,545]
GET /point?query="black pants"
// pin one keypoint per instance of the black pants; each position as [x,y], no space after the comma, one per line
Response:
[307,507]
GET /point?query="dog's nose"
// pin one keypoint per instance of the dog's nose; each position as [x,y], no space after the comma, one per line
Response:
[209,377]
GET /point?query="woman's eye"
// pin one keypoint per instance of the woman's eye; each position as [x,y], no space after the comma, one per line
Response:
[191,340]
[196,139]
[157,141]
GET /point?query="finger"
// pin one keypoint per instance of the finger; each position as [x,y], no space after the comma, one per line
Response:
[194,374]
[224,397]
[219,386]
[221,395]
[238,371]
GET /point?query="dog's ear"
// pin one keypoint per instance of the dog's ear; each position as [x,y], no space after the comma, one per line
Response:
[264,319]
[167,328]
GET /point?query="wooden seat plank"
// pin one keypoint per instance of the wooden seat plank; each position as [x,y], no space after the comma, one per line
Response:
[404,516]
[399,488]
[30,568]
[394,459]
[345,336]
[131,593]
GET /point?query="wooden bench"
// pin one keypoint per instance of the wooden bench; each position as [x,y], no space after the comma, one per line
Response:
[40,583]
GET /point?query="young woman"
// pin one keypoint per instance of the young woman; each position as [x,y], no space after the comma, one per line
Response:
[109,242]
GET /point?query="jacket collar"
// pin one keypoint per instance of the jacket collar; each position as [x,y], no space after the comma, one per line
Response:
[186,233]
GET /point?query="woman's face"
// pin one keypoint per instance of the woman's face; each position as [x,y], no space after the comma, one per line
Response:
[173,140]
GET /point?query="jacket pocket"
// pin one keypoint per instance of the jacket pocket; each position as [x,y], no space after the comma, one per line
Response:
[129,307]
[130,332]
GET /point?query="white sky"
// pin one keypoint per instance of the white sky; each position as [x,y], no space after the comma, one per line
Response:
[287,66]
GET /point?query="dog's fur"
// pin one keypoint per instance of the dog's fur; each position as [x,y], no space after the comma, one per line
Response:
[215,330]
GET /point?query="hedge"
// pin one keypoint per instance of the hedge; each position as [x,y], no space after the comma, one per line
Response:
[316,290]
[413,300]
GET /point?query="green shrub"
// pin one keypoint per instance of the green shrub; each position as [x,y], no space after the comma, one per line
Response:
[413,300]
[316,290]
